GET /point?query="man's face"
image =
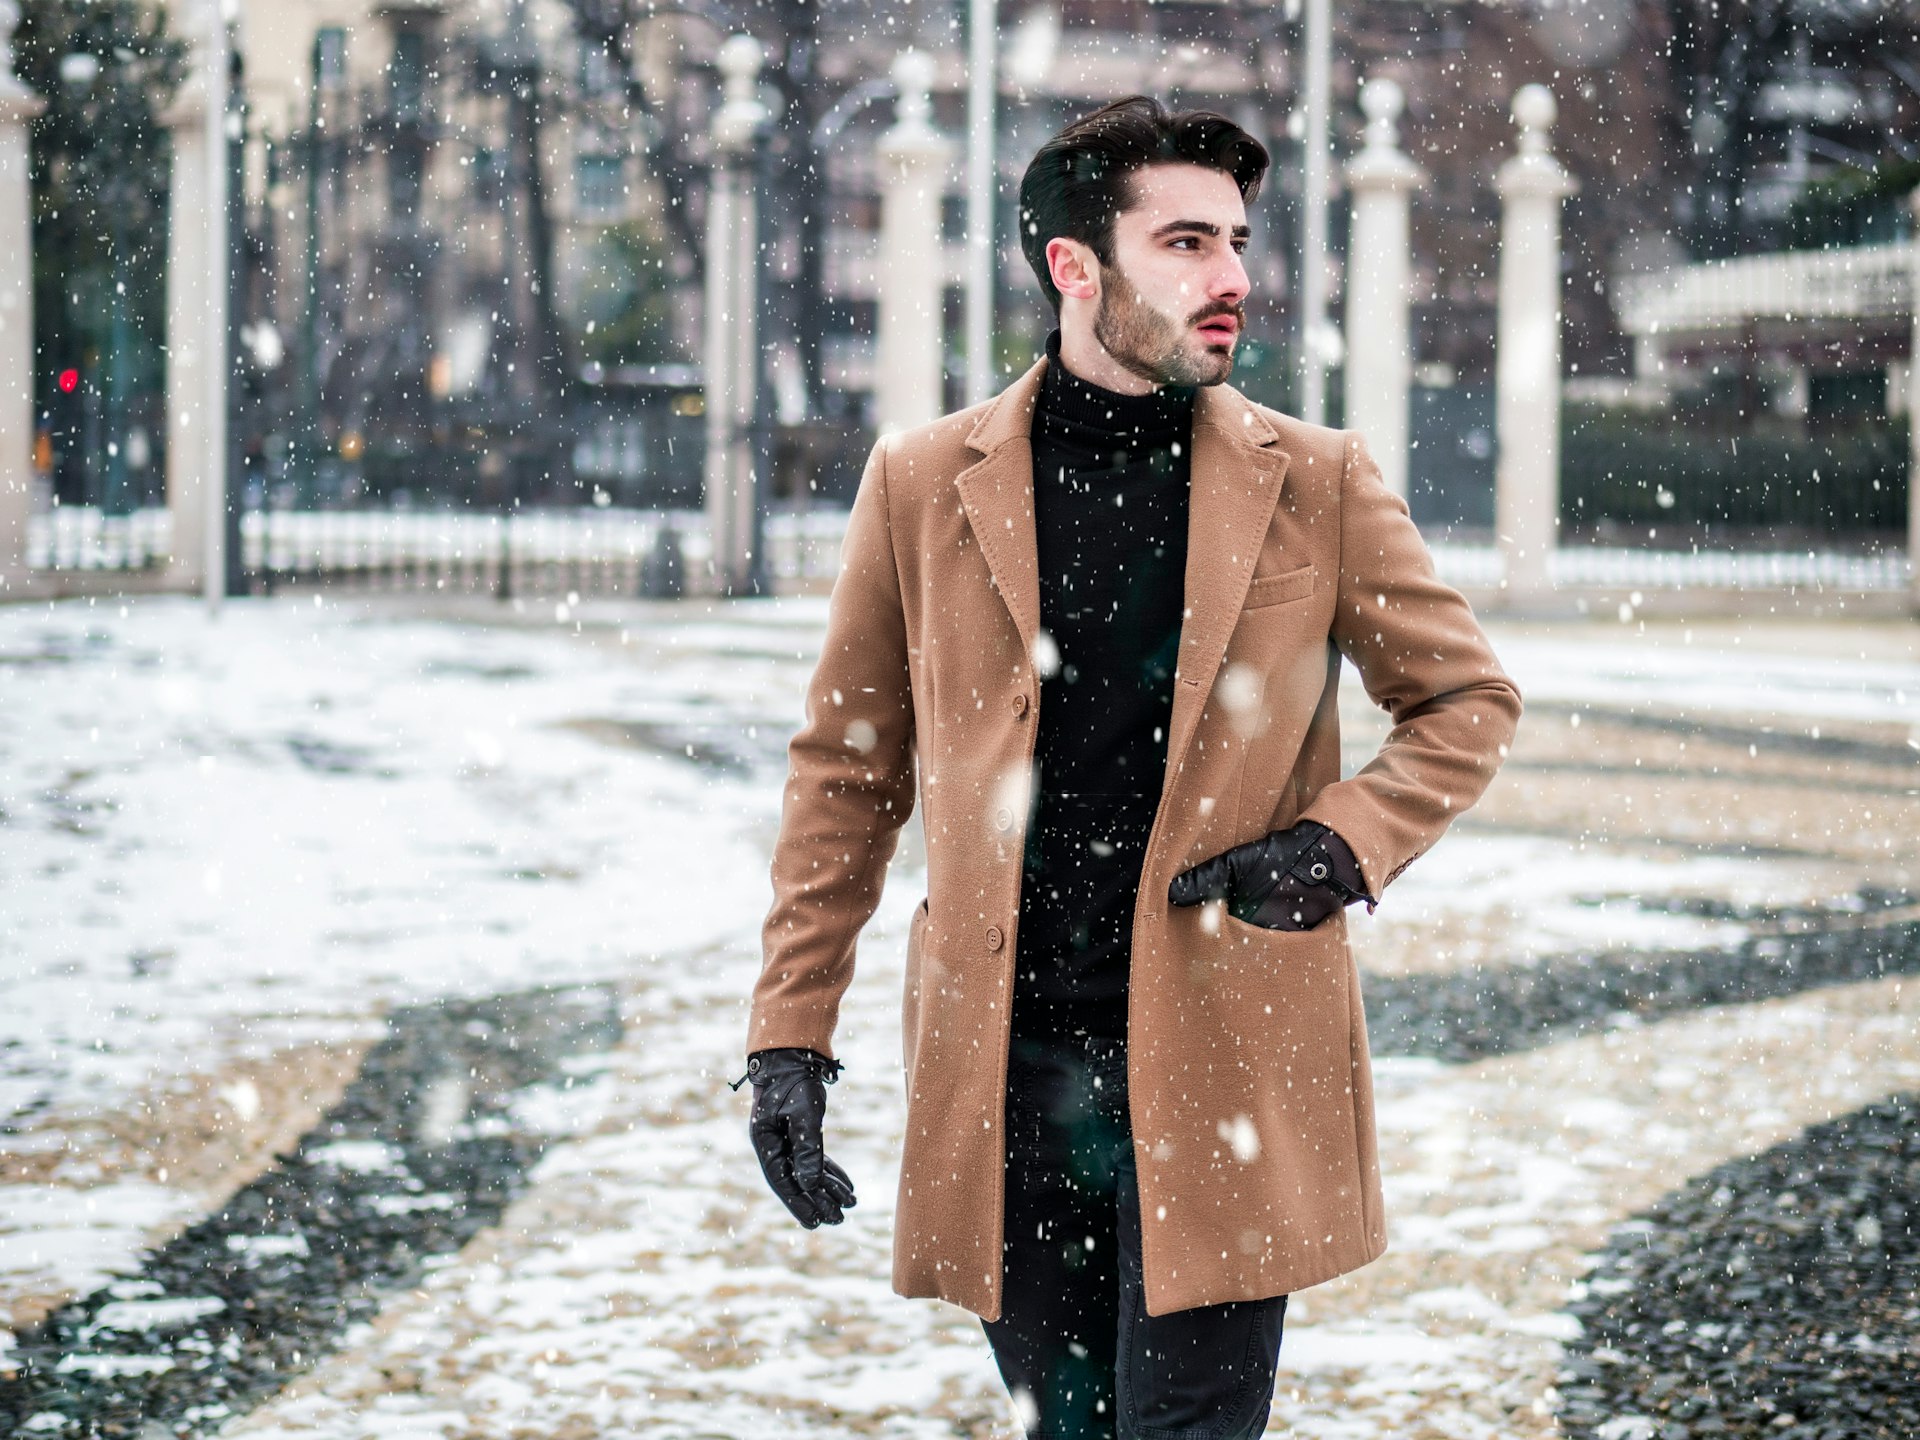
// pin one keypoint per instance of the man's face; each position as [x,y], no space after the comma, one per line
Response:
[1171,302]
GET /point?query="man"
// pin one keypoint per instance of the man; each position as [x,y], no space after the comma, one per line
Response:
[1094,627]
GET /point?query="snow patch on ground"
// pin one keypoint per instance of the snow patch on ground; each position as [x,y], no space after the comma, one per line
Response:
[53,1238]
[1504,899]
[1669,674]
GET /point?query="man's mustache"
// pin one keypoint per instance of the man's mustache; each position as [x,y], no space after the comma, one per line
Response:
[1238,312]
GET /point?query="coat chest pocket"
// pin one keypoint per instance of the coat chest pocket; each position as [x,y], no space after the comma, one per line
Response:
[1280,587]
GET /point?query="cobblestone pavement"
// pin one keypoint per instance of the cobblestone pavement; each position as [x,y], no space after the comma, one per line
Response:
[645,1283]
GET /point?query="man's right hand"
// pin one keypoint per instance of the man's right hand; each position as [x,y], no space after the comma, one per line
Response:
[789,1108]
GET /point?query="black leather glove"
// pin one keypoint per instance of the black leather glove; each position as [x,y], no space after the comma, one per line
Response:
[789,1106]
[1288,879]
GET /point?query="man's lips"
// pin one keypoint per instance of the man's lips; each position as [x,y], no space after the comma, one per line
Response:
[1223,327]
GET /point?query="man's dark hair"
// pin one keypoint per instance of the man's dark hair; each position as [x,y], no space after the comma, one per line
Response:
[1079,180]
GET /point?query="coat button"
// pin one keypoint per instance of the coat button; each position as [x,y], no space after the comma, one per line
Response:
[1318,870]
[994,937]
[1004,819]
[1020,703]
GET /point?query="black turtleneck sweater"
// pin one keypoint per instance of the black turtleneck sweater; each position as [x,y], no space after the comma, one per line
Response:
[1110,482]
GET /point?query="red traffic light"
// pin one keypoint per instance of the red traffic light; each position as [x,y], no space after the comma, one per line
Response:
[69,381]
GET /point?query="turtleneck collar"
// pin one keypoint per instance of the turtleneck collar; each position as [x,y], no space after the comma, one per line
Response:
[1081,407]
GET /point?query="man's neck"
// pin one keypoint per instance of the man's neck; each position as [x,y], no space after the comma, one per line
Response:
[1074,410]
[1086,357]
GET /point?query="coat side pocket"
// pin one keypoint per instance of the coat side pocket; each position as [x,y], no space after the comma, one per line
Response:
[910,998]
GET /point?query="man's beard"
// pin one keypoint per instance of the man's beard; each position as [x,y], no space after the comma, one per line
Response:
[1149,343]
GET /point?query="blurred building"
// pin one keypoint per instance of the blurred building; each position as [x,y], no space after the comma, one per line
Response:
[430,184]
[1794,298]
[508,197]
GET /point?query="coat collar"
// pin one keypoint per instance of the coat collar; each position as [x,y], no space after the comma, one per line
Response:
[1009,415]
[1237,477]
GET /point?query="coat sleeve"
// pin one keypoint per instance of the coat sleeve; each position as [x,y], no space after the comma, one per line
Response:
[850,787]
[1424,660]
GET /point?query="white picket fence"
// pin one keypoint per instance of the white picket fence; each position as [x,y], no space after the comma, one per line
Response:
[602,551]
[1596,566]
[84,537]
[591,551]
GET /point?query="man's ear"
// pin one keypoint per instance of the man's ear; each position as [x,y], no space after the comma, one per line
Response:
[1073,267]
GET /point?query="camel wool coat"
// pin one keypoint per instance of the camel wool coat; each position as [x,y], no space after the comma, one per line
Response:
[1248,1077]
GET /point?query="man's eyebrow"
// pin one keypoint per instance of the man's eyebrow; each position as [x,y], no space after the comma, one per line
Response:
[1202,227]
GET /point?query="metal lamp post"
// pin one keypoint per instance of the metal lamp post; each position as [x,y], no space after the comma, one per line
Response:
[732,345]
[1318,345]
[197,310]
[982,95]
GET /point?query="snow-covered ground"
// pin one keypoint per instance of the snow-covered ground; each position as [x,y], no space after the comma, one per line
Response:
[1712,670]
[254,831]
[224,843]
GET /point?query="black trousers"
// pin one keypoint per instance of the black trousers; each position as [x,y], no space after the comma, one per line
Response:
[1080,1355]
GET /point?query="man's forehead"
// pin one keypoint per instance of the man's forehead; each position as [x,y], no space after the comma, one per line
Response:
[1161,193]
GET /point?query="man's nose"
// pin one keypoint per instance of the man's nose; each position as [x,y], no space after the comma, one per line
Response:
[1230,282]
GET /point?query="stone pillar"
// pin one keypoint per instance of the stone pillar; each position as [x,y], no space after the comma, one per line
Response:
[18,105]
[1379,356]
[732,349]
[1913,409]
[910,371]
[197,308]
[1526,500]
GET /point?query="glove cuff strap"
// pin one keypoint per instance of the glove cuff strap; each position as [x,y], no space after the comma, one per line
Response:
[815,1064]
[825,1069]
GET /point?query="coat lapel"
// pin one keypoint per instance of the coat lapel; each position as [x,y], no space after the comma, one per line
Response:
[1236,483]
[998,496]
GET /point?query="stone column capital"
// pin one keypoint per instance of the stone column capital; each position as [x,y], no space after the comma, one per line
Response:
[912,146]
[1381,164]
[1533,172]
[915,150]
[741,114]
